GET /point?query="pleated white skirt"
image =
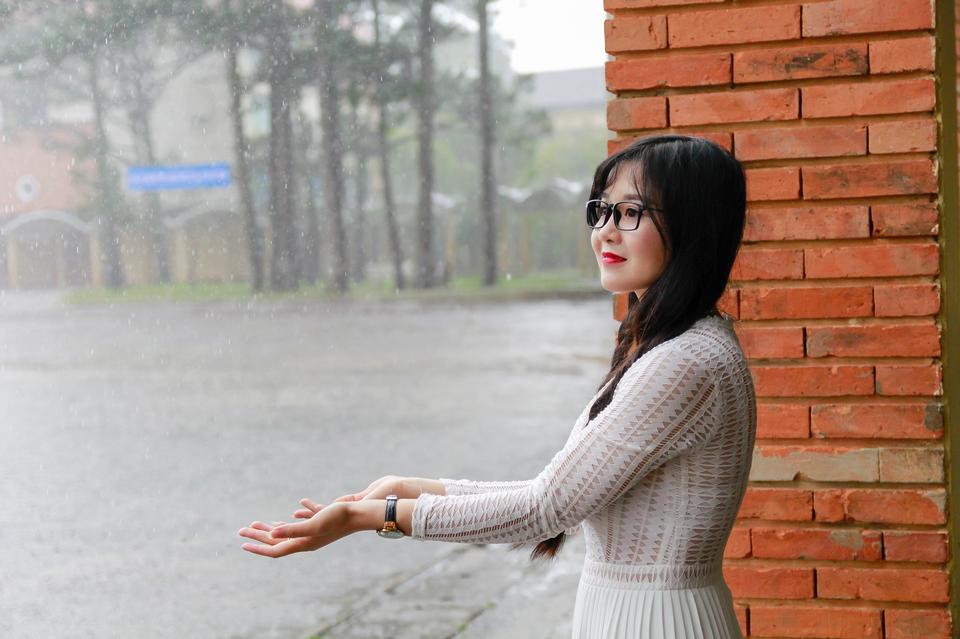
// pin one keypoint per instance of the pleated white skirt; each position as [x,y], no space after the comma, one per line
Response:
[606,609]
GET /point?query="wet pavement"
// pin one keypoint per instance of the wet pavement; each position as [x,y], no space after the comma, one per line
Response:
[138,438]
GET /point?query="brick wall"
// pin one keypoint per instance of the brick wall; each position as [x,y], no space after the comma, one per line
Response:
[831,106]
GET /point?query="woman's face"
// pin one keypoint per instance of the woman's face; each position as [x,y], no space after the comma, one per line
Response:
[642,249]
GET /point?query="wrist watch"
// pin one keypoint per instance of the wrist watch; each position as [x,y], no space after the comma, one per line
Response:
[390,529]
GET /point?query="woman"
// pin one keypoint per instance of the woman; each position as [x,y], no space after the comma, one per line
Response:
[656,466]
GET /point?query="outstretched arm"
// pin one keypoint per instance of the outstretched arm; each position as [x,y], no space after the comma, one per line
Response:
[666,403]
[473,487]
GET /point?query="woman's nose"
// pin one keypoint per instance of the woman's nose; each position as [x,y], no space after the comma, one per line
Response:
[609,229]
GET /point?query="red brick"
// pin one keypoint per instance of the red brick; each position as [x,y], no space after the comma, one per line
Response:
[912,623]
[801,142]
[906,136]
[738,544]
[668,71]
[882,340]
[806,223]
[828,505]
[905,54]
[887,506]
[635,33]
[911,545]
[816,543]
[894,220]
[901,177]
[870,98]
[771,342]
[815,621]
[611,5]
[734,106]
[767,264]
[779,183]
[872,261]
[806,302]
[912,465]
[877,421]
[840,17]
[883,584]
[906,300]
[615,145]
[921,465]
[779,504]
[809,381]
[909,379]
[636,113]
[769,582]
[783,421]
[793,63]
[734,26]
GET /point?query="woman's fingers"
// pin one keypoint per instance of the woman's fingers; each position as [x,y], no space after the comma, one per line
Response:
[312,505]
[283,548]
[259,532]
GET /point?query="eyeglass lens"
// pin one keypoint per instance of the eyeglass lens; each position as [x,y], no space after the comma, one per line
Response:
[626,215]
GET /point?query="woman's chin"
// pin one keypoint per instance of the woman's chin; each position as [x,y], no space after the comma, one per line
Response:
[613,287]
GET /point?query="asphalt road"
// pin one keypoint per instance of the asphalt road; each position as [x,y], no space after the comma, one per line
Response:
[137,440]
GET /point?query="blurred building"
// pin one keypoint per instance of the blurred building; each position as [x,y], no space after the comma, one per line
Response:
[48,235]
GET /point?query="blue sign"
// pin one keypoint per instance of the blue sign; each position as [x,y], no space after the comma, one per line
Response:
[184,176]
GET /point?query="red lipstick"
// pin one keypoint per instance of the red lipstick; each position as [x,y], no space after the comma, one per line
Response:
[611,258]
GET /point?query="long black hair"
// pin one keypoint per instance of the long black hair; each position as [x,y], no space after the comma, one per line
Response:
[700,189]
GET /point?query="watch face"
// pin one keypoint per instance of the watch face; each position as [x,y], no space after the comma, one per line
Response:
[392,534]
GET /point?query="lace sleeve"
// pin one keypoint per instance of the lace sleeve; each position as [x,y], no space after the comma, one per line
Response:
[474,487]
[470,487]
[666,403]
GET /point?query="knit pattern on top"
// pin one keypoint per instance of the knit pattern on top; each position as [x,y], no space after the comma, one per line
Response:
[655,479]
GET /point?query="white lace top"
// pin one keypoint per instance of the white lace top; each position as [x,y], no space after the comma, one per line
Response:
[655,479]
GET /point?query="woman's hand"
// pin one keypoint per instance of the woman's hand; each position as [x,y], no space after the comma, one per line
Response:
[325,526]
[402,487]
[378,489]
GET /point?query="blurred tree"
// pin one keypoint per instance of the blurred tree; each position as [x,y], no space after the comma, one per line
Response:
[108,199]
[425,113]
[230,26]
[311,266]
[279,71]
[146,63]
[488,181]
[358,212]
[329,40]
[381,96]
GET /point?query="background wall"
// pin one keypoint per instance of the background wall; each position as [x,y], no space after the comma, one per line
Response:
[835,110]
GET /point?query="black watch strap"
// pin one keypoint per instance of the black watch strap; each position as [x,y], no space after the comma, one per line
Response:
[391,509]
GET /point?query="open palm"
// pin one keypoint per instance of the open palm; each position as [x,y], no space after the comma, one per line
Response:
[325,525]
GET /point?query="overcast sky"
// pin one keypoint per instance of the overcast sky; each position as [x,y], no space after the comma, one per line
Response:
[549,35]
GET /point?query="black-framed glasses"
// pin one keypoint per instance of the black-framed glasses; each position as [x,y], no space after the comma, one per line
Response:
[626,215]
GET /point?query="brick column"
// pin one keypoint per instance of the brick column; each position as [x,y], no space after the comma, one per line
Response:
[833,108]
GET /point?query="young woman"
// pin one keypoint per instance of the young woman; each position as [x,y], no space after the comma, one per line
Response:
[656,465]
